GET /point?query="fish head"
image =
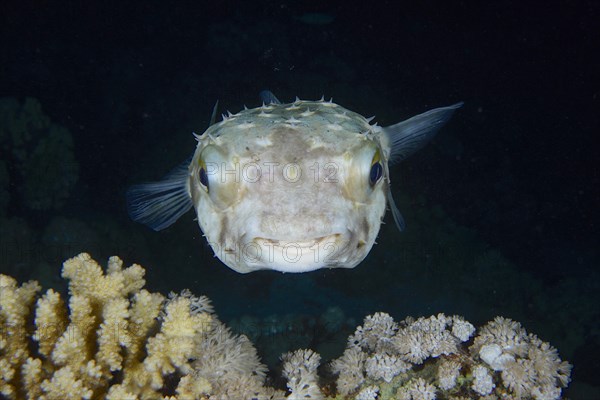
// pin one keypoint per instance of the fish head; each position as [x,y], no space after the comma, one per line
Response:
[289,197]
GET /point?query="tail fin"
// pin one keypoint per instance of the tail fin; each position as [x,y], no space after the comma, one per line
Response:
[160,204]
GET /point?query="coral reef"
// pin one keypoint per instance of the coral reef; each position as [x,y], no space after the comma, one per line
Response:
[39,156]
[441,357]
[116,340]
[113,339]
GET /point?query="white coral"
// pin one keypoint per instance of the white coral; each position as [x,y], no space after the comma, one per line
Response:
[412,346]
[227,360]
[349,367]
[368,393]
[550,369]
[546,393]
[504,332]
[519,376]
[529,366]
[462,329]
[198,304]
[384,366]
[448,371]
[424,338]
[300,369]
[493,356]
[417,389]
[483,383]
[375,333]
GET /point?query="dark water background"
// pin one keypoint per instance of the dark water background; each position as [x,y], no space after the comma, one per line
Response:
[502,209]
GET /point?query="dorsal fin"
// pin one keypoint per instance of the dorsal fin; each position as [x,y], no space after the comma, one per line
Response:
[213,117]
[268,97]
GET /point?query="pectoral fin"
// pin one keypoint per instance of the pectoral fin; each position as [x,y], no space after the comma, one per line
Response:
[160,204]
[406,137]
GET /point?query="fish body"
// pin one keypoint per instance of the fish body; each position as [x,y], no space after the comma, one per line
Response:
[289,187]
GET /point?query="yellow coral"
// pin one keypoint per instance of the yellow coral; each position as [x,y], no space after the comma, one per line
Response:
[50,315]
[87,278]
[75,353]
[178,332]
[191,386]
[15,303]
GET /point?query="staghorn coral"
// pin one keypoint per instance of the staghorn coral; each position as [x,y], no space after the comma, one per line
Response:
[117,340]
[113,339]
[16,302]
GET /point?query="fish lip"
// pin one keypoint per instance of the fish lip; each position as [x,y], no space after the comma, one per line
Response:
[296,255]
[302,244]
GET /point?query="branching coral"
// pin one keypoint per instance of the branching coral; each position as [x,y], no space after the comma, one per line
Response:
[116,340]
[113,339]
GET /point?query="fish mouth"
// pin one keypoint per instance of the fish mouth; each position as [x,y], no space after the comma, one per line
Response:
[297,255]
[301,244]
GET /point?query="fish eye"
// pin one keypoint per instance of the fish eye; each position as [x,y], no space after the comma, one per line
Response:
[202,175]
[376,173]
[376,169]
[212,176]
[363,172]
